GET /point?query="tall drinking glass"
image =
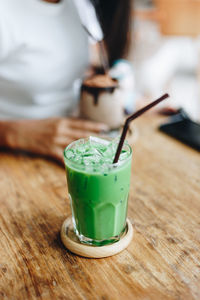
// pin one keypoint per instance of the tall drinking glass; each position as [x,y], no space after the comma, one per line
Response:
[98,189]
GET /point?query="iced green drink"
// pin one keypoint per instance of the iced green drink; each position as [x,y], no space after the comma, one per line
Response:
[98,189]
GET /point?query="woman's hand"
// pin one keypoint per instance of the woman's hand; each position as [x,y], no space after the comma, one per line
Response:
[48,137]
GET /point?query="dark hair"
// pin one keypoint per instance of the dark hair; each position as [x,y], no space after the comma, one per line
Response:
[115,19]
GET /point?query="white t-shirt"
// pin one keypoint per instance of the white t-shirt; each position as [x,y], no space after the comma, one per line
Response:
[43,50]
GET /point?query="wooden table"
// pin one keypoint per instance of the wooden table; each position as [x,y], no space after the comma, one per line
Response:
[163,260]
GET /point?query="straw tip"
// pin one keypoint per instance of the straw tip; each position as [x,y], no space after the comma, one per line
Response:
[166,95]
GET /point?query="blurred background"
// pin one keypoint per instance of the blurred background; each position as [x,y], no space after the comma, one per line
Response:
[165,52]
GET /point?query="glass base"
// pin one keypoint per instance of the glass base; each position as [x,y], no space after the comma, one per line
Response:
[85,240]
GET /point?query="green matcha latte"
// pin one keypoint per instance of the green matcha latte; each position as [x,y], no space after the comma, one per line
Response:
[98,189]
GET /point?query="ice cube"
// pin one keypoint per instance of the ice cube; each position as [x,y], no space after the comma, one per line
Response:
[93,156]
[70,154]
[112,148]
[96,140]
[78,158]
[81,149]
[125,151]
[123,155]
[92,160]
[99,144]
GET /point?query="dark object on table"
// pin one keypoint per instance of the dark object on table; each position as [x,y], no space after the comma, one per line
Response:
[184,129]
[168,111]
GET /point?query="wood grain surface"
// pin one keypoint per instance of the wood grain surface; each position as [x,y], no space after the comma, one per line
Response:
[163,260]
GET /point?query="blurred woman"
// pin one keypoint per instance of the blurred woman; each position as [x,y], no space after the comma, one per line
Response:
[43,51]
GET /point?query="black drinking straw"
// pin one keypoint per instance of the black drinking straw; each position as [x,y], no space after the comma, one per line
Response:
[103,56]
[131,118]
[102,52]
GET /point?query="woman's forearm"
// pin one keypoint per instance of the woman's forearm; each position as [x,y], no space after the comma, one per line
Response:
[5,128]
[47,137]
[13,134]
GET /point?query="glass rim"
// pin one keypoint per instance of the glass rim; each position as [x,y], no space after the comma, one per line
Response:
[110,166]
